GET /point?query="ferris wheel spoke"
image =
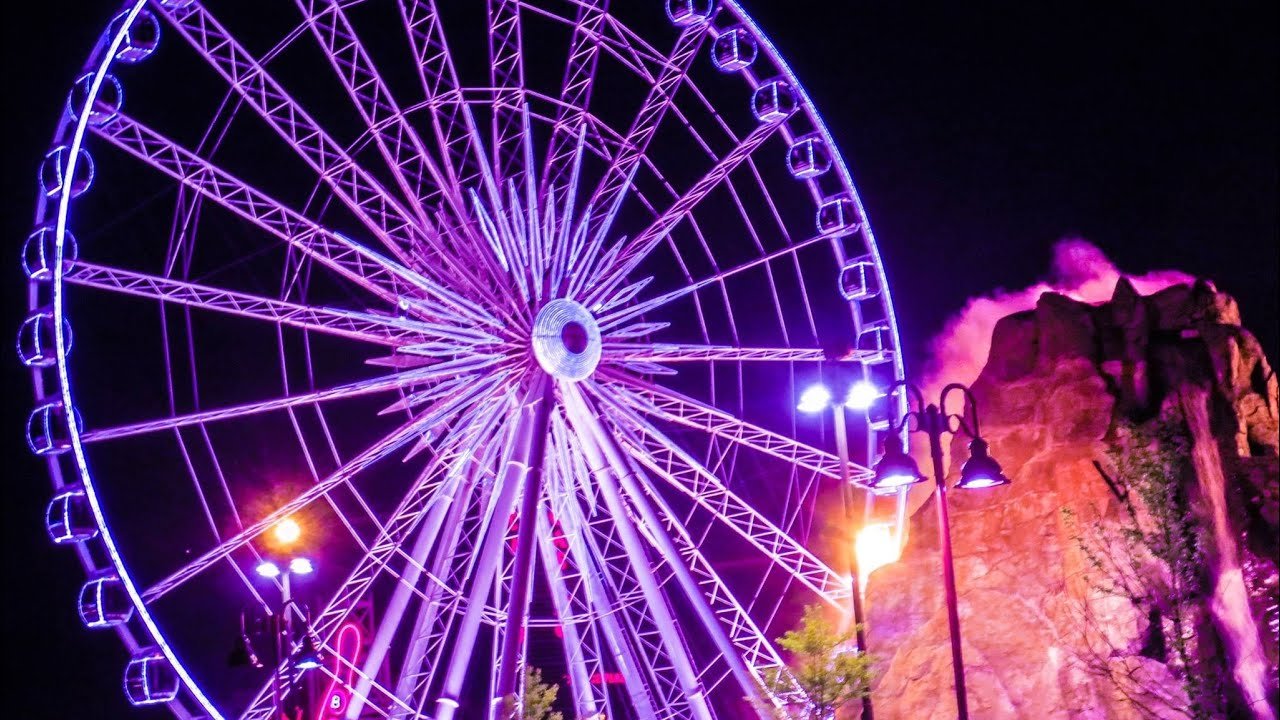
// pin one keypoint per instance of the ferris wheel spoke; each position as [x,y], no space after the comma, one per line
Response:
[521,465]
[455,559]
[575,96]
[358,190]
[742,640]
[438,613]
[624,352]
[639,247]
[608,196]
[457,132]
[506,75]
[362,266]
[421,425]
[447,470]
[365,327]
[630,494]
[664,458]
[456,373]
[398,142]
[615,318]
[670,406]
[631,637]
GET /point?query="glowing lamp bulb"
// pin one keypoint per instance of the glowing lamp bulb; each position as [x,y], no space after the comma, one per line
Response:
[862,395]
[287,531]
[814,399]
[301,566]
[268,569]
[876,547]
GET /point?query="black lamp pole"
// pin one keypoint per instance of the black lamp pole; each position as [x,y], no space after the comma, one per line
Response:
[980,471]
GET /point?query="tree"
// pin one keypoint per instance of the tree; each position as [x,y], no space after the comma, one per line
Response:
[539,698]
[826,673]
[1150,557]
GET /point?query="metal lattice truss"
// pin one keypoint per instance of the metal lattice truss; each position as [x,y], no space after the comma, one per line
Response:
[537,345]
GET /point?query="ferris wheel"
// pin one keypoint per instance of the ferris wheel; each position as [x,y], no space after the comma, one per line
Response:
[502,306]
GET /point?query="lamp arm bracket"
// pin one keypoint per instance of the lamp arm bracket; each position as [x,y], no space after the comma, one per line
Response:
[971,427]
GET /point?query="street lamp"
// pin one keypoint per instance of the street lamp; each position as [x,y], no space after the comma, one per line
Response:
[897,469]
[279,625]
[859,396]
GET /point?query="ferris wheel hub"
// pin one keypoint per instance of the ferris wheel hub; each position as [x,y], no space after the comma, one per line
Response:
[566,340]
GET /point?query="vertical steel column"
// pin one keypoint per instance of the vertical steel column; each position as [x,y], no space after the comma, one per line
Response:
[587,424]
[625,474]
[516,468]
[400,597]
[522,575]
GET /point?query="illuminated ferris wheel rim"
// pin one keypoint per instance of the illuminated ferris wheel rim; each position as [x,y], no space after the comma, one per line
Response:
[567,357]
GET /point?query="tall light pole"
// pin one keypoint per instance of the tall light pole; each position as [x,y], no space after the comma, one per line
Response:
[859,397]
[896,469]
[279,624]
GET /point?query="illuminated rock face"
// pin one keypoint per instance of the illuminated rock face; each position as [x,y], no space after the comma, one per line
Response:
[1040,640]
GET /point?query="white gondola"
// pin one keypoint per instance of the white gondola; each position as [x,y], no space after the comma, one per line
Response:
[734,50]
[837,215]
[149,679]
[808,157]
[104,602]
[36,340]
[859,279]
[53,173]
[69,518]
[774,101]
[40,252]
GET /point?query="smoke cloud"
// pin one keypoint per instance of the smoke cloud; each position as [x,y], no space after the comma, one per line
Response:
[1080,271]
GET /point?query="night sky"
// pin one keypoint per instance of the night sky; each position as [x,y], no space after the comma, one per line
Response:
[978,135]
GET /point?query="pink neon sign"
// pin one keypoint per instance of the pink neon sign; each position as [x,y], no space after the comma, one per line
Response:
[337,696]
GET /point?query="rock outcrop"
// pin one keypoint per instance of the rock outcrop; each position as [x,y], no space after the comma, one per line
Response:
[1041,640]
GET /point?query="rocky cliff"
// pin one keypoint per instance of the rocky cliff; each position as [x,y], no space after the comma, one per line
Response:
[1130,570]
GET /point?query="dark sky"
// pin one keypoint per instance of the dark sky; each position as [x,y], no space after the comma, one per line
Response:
[978,134]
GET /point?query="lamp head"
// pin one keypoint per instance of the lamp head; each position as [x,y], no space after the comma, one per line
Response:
[301,566]
[268,569]
[896,469]
[307,657]
[242,654]
[980,470]
[815,398]
[862,395]
[287,531]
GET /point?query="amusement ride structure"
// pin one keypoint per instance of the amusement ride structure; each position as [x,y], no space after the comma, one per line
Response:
[506,304]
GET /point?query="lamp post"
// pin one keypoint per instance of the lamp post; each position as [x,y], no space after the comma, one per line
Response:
[859,397]
[279,625]
[897,469]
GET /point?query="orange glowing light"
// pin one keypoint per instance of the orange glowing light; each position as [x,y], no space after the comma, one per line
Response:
[876,546]
[287,531]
